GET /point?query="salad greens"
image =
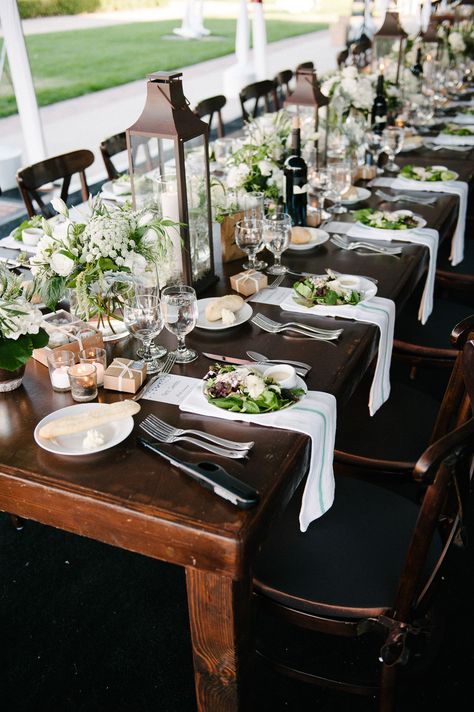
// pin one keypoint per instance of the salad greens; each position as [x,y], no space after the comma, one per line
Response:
[385,220]
[35,221]
[242,389]
[431,174]
[454,130]
[324,289]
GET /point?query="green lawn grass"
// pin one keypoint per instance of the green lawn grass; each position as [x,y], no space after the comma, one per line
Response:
[70,64]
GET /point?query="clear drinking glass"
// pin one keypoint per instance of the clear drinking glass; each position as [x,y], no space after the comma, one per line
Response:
[276,238]
[180,312]
[318,182]
[223,148]
[249,237]
[147,285]
[392,138]
[339,180]
[143,318]
[253,205]
[374,143]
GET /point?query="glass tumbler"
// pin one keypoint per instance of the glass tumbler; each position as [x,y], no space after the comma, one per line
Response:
[59,363]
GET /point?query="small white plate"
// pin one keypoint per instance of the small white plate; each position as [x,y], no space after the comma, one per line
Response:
[299,384]
[113,432]
[120,330]
[421,222]
[107,191]
[411,144]
[241,316]
[318,237]
[362,194]
[367,289]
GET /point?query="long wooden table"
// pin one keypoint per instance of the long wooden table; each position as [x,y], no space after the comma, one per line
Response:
[129,498]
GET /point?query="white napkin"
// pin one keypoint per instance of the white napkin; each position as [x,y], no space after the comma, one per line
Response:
[449,140]
[452,187]
[462,119]
[421,236]
[314,416]
[378,311]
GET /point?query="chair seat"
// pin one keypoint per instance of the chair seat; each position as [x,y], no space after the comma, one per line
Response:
[398,432]
[435,333]
[338,562]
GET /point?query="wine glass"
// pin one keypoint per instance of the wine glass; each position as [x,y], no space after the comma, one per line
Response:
[249,237]
[147,283]
[253,203]
[180,312]
[143,318]
[276,238]
[318,181]
[392,138]
[374,145]
[223,148]
[339,181]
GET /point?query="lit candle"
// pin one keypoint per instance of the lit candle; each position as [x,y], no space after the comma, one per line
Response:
[381,68]
[60,378]
[59,362]
[83,382]
[97,357]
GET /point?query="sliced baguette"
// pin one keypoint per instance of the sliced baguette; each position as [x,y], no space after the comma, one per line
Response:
[70,424]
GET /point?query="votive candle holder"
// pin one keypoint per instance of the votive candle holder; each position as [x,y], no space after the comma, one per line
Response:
[98,358]
[83,377]
[59,363]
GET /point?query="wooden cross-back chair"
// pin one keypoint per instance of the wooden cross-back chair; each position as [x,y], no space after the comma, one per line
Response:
[116,144]
[51,170]
[211,107]
[265,90]
[304,65]
[366,575]
[282,80]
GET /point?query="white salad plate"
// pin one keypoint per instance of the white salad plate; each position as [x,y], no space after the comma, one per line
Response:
[421,222]
[299,384]
[113,432]
[362,194]
[433,168]
[318,237]
[364,286]
[241,316]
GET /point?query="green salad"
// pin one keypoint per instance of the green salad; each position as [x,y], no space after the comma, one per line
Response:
[324,289]
[386,220]
[35,221]
[431,173]
[467,110]
[242,389]
[455,130]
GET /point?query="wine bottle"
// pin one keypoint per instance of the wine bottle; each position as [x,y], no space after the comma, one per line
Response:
[379,107]
[296,179]
[417,68]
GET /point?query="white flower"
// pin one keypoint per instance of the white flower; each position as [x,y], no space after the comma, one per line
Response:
[60,230]
[135,262]
[255,385]
[62,264]
[456,42]
[265,168]
[60,206]
[349,73]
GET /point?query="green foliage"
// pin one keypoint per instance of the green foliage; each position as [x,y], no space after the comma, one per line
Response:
[15,353]
[44,8]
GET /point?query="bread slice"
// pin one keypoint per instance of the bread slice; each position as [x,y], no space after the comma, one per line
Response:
[70,424]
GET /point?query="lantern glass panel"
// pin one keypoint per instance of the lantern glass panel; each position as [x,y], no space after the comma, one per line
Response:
[197,188]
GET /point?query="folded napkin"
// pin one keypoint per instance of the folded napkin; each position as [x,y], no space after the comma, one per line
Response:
[314,416]
[462,119]
[420,236]
[452,187]
[449,140]
[378,311]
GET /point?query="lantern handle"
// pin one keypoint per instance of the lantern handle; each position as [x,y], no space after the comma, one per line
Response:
[179,108]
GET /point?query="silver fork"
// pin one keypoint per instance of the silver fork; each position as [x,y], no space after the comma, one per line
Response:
[358,244]
[166,368]
[149,427]
[405,198]
[168,429]
[273,285]
[297,329]
[277,324]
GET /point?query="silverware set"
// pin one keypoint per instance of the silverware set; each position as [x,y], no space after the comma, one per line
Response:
[437,147]
[165,433]
[344,244]
[273,285]
[168,364]
[421,200]
[312,332]
[255,356]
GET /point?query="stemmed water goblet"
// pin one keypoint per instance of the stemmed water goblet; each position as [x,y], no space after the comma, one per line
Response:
[146,283]
[276,238]
[339,181]
[253,203]
[374,143]
[180,312]
[249,237]
[392,138]
[143,318]
[318,181]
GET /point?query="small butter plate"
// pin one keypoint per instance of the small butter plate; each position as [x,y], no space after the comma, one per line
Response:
[241,316]
[362,194]
[318,237]
[113,432]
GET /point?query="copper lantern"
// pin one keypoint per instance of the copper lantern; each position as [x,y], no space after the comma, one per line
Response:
[307,99]
[390,40]
[168,156]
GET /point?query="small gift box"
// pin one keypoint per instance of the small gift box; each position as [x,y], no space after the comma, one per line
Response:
[125,374]
[249,282]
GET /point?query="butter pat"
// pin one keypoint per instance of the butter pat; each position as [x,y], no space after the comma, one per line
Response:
[93,440]
[228,317]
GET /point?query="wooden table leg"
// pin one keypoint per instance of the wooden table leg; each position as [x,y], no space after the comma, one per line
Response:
[222,631]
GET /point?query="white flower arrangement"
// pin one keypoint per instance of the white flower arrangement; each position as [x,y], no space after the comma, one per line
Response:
[350,89]
[20,322]
[93,257]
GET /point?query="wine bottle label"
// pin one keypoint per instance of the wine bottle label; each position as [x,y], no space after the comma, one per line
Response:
[380,119]
[299,189]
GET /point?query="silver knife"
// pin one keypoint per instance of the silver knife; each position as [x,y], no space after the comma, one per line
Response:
[247,362]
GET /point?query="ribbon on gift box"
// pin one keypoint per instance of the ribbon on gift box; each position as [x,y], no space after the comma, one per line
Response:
[251,274]
[125,369]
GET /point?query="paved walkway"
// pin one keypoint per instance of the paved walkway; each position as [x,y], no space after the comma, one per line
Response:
[85,121]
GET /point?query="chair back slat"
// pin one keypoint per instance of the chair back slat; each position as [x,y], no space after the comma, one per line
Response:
[212,107]
[110,147]
[265,90]
[51,170]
